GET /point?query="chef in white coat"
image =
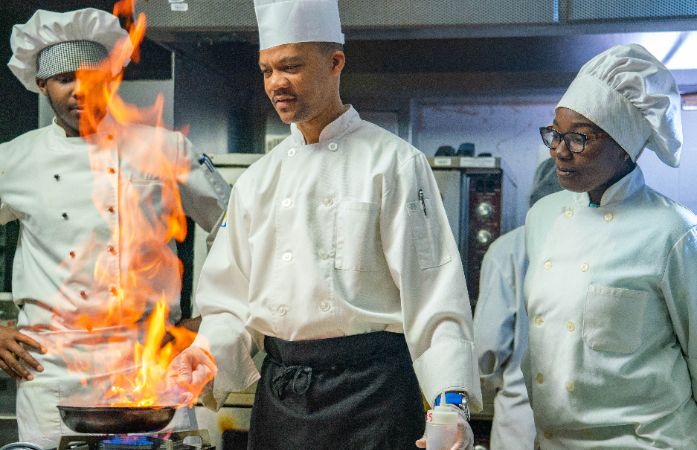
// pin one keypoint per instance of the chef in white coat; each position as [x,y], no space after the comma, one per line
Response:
[73,214]
[501,327]
[338,261]
[611,287]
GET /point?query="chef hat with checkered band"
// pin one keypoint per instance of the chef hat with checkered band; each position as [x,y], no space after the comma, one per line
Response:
[293,21]
[51,43]
[634,98]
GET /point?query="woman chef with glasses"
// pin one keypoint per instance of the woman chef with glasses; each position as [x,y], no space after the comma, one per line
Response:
[611,289]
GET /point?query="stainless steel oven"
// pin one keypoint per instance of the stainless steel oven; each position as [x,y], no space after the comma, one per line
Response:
[479,198]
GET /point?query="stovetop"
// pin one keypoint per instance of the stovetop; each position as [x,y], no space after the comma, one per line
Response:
[173,440]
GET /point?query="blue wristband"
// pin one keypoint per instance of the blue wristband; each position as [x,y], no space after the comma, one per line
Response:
[451,398]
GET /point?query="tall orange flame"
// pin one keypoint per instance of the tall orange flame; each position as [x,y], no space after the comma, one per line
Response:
[149,214]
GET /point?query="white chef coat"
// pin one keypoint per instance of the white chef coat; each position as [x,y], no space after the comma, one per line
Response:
[70,218]
[333,239]
[612,303]
[501,337]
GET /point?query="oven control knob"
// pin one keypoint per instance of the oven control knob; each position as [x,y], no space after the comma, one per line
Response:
[484,237]
[485,210]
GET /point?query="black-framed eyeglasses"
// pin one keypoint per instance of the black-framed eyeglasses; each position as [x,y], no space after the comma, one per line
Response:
[574,141]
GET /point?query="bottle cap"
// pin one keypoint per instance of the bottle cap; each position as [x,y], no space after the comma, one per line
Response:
[443,415]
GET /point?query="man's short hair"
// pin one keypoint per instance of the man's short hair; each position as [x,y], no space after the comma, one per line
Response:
[327,48]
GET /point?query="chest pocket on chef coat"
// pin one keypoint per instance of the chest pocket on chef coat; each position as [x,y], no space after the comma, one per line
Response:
[148,191]
[426,234]
[358,244]
[613,318]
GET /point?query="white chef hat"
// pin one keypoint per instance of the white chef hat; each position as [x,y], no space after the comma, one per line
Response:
[292,21]
[633,97]
[51,43]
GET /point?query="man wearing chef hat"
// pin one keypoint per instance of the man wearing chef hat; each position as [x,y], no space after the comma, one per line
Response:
[338,262]
[47,184]
[611,287]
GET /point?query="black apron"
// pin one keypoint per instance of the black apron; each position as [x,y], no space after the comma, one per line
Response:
[354,393]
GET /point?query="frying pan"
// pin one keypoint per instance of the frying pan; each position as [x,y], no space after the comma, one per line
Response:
[116,419]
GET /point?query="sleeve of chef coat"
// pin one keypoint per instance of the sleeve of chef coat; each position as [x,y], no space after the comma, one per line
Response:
[494,317]
[222,299]
[6,214]
[679,286]
[425,264]
[203,200]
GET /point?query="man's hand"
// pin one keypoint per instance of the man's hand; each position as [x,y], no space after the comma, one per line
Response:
[465,437]
[190,371]
[14,358]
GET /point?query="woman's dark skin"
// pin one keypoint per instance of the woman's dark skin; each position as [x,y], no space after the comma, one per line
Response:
[601,163]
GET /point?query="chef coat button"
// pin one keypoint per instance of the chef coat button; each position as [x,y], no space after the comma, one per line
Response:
[325,306]
[64,216]
[540,378]
[291,152]
[570,386]
[571,326]
[287,256]
[287,203]
[282,310]
[57,177]
[83,294]
[548,435]
[111,209]
[113,291]
[111,170]
[569,213]
[329,202]
[333,146]
[539,320]
[584,267]
[548,264]
[608,217]
[110,137]
[111,249]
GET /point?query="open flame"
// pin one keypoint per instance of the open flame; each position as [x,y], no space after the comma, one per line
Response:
[149,215]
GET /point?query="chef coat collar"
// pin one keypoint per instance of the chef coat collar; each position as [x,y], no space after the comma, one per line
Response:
[59,133]
[618,192]
[333,131]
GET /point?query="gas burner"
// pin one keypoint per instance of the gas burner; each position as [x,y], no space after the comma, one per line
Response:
[175,440]
[129,443]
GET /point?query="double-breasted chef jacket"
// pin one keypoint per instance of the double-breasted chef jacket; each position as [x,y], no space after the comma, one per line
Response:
[338,238]
[501,338]
[611,296]
[71,216]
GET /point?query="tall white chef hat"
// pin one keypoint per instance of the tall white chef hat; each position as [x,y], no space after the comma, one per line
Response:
[633,97]
[51,43]
[292,21]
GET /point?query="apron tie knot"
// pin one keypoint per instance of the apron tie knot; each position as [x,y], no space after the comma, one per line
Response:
[299,378]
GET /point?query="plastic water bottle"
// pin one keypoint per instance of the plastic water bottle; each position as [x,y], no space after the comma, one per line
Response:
[441,427]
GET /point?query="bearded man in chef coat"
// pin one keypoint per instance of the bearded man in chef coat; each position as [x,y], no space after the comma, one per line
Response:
[48,184]
[611,287]
[338,261]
